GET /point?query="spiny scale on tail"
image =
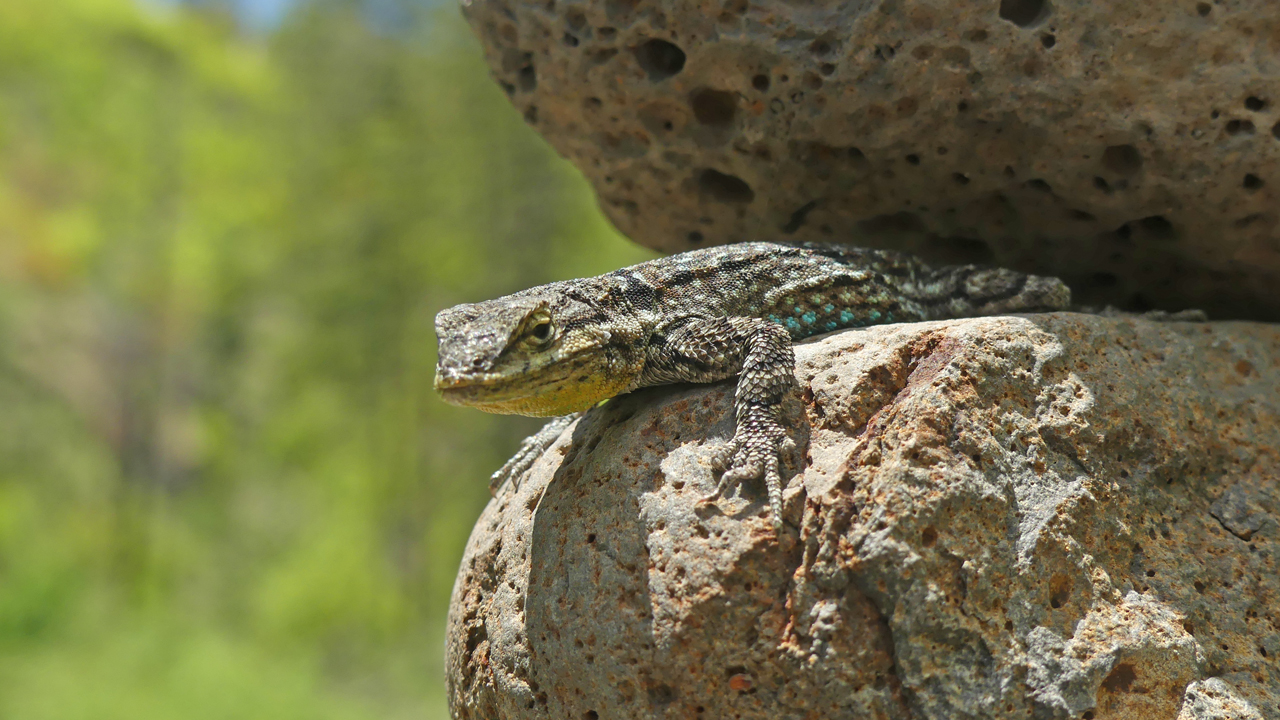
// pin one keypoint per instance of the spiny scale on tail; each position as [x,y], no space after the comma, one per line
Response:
[701,316]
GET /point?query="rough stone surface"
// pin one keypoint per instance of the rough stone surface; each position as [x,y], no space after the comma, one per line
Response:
[1132,148]
[1057,516]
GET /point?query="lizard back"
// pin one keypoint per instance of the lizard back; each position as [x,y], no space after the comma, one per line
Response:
[815,288]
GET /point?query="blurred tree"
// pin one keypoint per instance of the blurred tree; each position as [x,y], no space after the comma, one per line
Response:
[226,488]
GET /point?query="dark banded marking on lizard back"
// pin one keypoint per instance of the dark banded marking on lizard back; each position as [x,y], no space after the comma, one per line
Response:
[640,294]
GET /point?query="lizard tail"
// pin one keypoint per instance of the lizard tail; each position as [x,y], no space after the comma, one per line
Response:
[970,290]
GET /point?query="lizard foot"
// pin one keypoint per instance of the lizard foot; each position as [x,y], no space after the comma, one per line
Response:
[530,450]
[755,450]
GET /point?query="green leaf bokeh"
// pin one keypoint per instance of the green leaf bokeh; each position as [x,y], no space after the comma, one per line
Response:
[227,489]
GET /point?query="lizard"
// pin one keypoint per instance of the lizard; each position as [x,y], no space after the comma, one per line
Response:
[701,316]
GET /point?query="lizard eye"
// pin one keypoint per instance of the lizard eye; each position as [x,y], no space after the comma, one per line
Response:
[541,331]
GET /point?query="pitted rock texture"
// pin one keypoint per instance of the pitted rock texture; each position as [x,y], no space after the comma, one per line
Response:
[1057,516]
[1131,148]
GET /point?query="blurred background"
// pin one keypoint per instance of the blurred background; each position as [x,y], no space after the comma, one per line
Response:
[227,489]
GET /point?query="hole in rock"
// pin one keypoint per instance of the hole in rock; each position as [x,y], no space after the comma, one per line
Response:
[1252,182]
[659,58]
[1048,41]
[760,82]
[527,79]
[1158,227]
[1024,13]
[1060,587]
[798,217]
[1203,9]
[1239,127]
[662,695]
[1122,159]
[821,46]
[1254,103]
[714,107]
[725,188]
[1121,678]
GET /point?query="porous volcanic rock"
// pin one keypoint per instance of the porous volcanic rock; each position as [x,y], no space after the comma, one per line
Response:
[1056,516]
[1132,148]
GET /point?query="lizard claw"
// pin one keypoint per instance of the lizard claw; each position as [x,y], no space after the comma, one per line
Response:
[754,451]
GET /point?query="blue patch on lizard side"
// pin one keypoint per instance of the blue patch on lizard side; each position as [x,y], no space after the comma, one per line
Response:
[809,318]
[792,324]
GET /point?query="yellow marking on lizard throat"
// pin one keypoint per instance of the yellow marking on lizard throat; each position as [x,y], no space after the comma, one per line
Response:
[554,399]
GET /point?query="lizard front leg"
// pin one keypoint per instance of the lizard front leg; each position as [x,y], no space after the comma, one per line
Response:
[760,353]
[530,450]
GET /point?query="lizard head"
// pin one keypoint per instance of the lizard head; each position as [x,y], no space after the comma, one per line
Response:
[543,352]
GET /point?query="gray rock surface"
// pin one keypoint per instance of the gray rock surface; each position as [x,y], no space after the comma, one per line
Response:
[1056,516]
[1132,148]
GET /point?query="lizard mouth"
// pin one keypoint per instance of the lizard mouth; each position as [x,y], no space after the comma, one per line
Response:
[553,391]
[472,389]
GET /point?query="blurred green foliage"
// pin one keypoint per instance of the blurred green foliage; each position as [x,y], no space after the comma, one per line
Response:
[226,487]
